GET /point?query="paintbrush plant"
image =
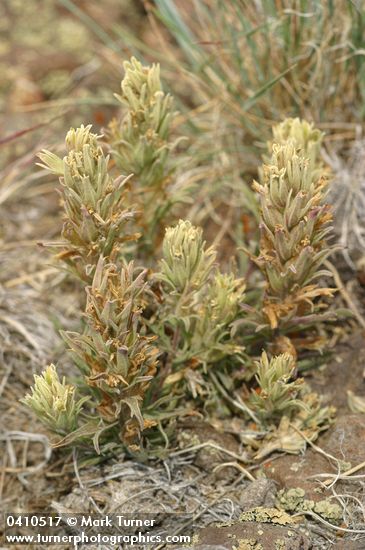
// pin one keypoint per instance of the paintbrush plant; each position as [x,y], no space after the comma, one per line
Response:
[114,353]
[53,401]
[141,144]
[295,222]
[277,390]
[305,137]
[96,215]
[158,343]
[198,304]
[186,262]
[289,414]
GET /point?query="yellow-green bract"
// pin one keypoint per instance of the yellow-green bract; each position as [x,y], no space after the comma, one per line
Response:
[53,401]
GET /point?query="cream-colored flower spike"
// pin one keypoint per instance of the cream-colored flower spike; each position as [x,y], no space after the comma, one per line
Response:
[295,223]
[53,401]
[198,303]
[141,145]
[185,260]
[76,139]
[94,203]
[118,359]
[285,407]
[277,395]
[141,141]
[140,84]
[303,135]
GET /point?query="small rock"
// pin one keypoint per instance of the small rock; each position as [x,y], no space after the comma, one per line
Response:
[343,373]
[261,492]
[252,536]
[346,439]
[294,474]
